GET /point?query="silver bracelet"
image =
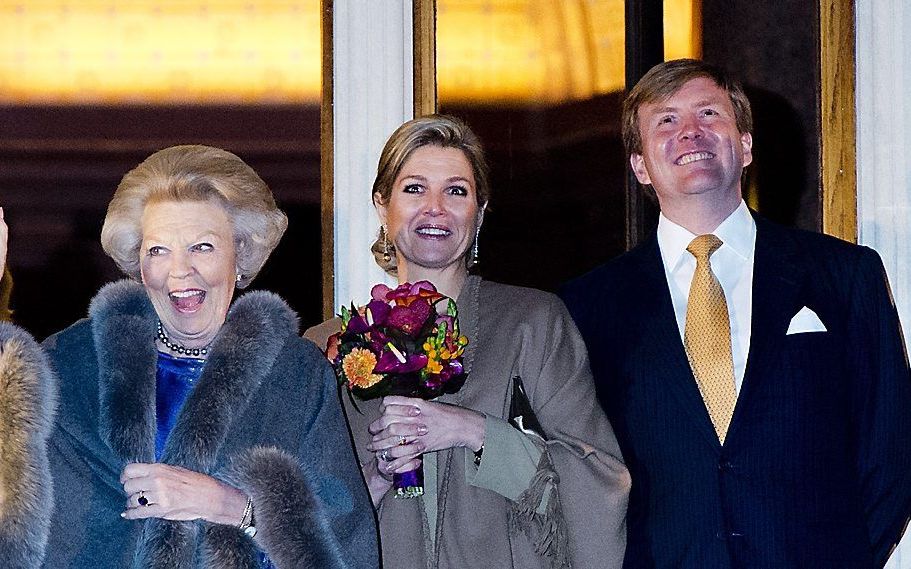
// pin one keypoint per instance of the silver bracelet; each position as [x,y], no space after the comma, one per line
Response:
[246,521]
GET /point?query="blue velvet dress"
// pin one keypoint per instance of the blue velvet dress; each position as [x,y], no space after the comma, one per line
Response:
[174,380]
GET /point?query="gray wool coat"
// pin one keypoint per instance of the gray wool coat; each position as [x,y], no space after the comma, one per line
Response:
[481,518]
[264,417]
[28,398]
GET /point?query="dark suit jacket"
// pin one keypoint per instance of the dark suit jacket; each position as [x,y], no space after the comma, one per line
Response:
[816,467]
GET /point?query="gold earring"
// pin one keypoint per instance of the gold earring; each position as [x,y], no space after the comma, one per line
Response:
[386,256]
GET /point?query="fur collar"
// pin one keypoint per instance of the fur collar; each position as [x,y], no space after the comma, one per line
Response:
[28,401]
[241,356]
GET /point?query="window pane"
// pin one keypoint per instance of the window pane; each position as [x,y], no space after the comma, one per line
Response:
[542,81]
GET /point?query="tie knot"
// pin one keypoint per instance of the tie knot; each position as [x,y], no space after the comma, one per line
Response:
[703,246]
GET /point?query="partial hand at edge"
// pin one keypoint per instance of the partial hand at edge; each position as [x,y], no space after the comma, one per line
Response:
[4,238]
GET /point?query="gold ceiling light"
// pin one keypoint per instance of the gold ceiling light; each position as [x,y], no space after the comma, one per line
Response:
[164,52]
[543,51]
[267,51]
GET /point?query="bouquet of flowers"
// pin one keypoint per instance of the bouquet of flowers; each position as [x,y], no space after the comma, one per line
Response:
[400,345]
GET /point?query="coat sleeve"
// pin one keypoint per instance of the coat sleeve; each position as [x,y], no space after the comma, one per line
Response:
[883,396]
[592,482]
[312,509]
[27,404]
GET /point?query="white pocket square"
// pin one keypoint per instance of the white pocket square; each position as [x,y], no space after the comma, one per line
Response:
[805,321]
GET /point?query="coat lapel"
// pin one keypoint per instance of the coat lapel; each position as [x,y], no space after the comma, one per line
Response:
[123,329]
[777,278]
[662,335]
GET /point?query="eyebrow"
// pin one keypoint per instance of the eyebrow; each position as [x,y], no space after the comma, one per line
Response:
[204,236]
[424,179]
[701,103]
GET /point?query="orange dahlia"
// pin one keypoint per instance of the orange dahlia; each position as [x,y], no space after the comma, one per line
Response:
[358,367]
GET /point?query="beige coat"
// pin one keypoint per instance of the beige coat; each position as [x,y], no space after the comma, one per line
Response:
[477,522]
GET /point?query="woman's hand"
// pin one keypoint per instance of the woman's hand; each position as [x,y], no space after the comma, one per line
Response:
[175,493]
[408,427]
[377,482]
[4,236]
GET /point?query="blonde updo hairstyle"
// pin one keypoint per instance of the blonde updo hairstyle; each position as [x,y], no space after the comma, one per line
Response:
[439,130]
[195,173]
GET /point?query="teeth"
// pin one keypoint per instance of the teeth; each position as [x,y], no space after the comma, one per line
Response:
[694,157]
[433,231]
[186,293]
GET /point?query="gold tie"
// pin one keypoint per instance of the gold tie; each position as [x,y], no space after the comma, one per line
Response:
[707,337]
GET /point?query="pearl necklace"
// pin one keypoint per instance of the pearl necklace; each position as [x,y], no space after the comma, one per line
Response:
[177,348]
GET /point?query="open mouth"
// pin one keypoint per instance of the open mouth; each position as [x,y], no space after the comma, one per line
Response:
[691,157]
[187,300]
[433,231]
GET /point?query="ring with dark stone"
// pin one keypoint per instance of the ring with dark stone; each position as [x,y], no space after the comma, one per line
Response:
[142,500]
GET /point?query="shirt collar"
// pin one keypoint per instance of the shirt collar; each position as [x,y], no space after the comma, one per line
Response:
[737,232]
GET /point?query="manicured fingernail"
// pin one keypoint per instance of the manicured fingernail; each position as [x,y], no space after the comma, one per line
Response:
[415,411]
[123,514]
[422,430]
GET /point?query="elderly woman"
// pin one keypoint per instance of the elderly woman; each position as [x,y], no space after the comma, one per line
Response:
[193,432]
[496,494]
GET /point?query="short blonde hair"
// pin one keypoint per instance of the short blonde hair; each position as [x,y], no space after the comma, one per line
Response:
[431,130]
[195,173]
[665,79]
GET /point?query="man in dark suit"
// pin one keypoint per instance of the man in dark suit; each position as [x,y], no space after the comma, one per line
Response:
[755,375]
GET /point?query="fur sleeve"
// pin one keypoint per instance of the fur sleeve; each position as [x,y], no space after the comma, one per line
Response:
[28,399]
[290,527]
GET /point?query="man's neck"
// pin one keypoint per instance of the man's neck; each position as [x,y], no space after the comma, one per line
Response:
[700,215]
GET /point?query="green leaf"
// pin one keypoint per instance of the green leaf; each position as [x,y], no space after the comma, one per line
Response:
[441,333]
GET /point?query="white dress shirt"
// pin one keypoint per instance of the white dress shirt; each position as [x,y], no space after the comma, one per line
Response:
[732,264]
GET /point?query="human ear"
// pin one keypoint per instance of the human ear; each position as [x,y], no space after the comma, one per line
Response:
[481,214]
[637,162]
[380,207]
[746,142]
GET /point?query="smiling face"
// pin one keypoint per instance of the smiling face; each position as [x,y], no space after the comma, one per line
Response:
[691,147]
[432,212]
[187,262]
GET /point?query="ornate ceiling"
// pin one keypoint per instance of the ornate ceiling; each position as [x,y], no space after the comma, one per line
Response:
[176,51]
[267,51]
[543,51]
